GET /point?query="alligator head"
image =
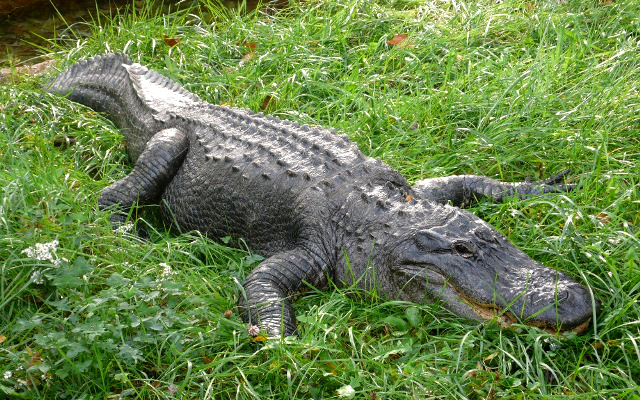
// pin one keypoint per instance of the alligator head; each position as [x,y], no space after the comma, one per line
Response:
[475,272]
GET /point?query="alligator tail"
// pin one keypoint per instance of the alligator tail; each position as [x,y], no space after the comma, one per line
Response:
[103,84]
[95,82]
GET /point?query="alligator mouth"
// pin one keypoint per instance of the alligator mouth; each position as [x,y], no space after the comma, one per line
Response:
[505,317]
[440,288]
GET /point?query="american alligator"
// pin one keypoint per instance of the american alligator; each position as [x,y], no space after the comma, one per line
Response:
[316,208]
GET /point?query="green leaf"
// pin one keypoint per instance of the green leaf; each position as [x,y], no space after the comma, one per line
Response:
[396,322]
[117,280]
[413,316]
[67,281]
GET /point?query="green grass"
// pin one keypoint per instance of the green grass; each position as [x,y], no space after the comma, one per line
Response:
[509,89]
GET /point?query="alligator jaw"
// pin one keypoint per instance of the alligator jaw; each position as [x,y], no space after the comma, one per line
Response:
[441,289]
[506,318]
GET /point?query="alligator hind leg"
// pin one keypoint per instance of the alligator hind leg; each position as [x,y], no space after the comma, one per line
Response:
[154,169]
[269,287]
[465,190]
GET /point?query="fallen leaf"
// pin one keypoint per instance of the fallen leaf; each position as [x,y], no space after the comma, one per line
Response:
[2,339]
[246,57]
[408,198]
[170,41]
[249,45]
[207,360]
[490,356]
[266,102]
[397,39]
[332,368]
[604,218]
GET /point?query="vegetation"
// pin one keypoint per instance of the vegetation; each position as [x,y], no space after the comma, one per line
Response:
[510,89]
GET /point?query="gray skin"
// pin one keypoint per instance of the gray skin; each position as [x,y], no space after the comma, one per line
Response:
[308,200]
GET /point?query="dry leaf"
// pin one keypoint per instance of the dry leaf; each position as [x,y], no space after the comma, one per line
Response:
[266,102]
[604,218]
[332,368]
[490,356]
[249,45]
[397,39]
[246,57]
[170,41]
[2,339]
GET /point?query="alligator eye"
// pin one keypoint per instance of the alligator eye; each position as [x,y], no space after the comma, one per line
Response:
[464,249]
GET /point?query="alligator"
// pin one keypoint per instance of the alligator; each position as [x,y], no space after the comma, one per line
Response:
[320,211]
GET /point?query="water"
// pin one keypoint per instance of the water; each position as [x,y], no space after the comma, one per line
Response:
[26,35]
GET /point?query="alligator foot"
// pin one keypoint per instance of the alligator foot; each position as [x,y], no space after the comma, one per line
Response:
[465,190]
[269,288]
[153,170]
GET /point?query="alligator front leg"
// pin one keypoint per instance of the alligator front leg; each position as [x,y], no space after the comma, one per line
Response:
[268,290]
[464,190]
[154,169]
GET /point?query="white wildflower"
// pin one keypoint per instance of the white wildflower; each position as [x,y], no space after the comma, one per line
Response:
[22,382]
[7,374]
[45,252]
[166,270]
[346,392]
[36,277]
[125,228]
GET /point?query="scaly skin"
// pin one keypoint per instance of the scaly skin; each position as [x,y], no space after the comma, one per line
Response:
[304,197]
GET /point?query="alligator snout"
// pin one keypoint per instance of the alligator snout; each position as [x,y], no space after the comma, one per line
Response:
[477,273]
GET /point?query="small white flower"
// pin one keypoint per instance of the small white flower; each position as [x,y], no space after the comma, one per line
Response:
[36,277]
[346,392]
[22,382]
[126,228]
[7,374]
[45,252]
[166,270]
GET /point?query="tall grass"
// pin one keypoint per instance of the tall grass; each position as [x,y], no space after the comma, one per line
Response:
[508,89]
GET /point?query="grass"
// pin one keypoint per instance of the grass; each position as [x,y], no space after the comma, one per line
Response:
[509,89]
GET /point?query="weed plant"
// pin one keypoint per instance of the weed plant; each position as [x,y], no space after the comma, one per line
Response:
[511,89]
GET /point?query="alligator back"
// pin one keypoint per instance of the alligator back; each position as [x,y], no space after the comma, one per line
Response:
[266,180]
